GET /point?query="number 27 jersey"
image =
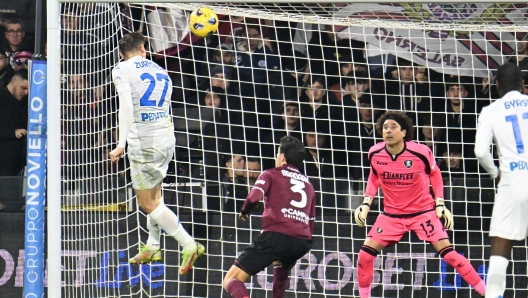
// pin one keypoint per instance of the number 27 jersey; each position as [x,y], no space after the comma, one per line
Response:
[150,88]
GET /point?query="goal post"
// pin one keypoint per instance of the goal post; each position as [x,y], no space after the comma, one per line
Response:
[93,223]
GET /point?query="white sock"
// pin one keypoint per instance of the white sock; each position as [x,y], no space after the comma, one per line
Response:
[496,280]
[153,240]
[169,222]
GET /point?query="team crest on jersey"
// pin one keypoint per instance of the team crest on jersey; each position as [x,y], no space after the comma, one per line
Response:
[407,163]
[379,230]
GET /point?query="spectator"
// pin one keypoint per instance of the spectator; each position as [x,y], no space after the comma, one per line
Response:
[320,165]
[288,123]
[216,134]
[13,124]
[361,136]
[452,165]
[80,129]
[404,94]
[432,134]
[325,51]
[21,60]
[430,85]
[354,87]
[254,168]
[522,51]
[81,49]
[461,119]
[6,71]
[348,68]
[233,182]
[285,83]
[15,39]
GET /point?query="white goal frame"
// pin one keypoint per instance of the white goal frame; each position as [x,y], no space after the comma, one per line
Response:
[54,119]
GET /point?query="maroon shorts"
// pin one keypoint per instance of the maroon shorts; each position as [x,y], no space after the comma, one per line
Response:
[388,230]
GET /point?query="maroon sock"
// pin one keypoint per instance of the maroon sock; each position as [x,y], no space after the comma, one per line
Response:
[280,280]
[237,289]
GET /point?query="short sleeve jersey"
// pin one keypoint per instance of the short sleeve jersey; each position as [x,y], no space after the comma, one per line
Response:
[151,89]
[289,202]
[506,121]
[404,178]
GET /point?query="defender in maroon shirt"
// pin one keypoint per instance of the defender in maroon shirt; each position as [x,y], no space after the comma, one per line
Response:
[287,221]
[404,170]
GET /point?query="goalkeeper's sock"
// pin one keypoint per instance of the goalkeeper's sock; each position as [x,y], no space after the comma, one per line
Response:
[169,222]
[464,268]
[154,233]
[280,280]
[496,276]
[365,270]
[237,289]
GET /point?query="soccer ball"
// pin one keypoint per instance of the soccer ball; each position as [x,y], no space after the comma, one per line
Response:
[203,22]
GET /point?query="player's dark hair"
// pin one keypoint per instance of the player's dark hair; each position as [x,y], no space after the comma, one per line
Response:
[21,74]
[509,78]
[131,42]
[293,150]
[401,118]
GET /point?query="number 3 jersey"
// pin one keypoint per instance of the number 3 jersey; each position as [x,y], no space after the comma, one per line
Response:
[405,178]
[289,201]
[149,88]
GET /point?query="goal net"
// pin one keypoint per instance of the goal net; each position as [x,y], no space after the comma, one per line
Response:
[321,72]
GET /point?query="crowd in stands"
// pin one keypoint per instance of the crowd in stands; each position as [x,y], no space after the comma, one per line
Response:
[258,85]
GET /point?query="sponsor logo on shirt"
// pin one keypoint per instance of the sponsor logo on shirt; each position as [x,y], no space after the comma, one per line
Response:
[407,163]
[260,182]
[519,165]
[153,116]
[379,230]
[399,176]
[296,214]
[381,163]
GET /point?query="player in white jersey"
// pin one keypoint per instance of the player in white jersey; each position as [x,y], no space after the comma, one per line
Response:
[144,90]
[506,121]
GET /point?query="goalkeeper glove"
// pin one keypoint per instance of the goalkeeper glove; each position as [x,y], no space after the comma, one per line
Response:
[442,211]
[362,211]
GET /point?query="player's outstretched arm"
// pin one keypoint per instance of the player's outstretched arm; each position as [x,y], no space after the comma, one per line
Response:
[126,112]
[443,212]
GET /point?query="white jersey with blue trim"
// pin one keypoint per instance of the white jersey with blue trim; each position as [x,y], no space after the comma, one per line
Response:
[149,88]
[505,120]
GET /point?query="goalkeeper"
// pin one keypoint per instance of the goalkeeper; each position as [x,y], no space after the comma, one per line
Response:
[404,169]
[144,90]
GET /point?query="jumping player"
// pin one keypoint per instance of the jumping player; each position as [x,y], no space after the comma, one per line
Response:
[404,168]
[144,90]
[287,221]
[506,121]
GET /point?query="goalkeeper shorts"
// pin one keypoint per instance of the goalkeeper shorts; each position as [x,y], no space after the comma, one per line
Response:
[148,166]
[389,230]
[508,219]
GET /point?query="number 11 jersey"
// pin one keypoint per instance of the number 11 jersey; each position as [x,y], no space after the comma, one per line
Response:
[506,120]
[150,89]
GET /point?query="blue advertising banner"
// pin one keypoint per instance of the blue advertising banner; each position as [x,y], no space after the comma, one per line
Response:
[34,262]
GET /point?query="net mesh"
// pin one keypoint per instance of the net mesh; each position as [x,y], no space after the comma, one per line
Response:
[320,72]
